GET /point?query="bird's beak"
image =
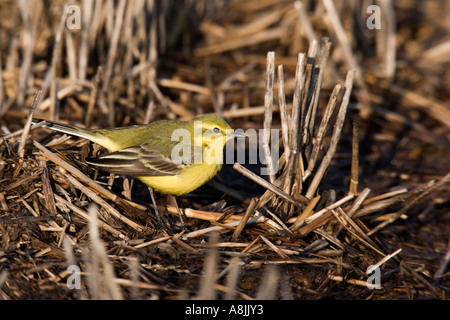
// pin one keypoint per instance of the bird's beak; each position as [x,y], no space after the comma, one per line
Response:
[235,134]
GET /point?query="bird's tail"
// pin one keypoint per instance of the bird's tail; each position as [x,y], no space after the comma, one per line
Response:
[67,128]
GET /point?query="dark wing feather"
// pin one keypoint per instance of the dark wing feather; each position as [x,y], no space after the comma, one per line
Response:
[140,160]
[150,159]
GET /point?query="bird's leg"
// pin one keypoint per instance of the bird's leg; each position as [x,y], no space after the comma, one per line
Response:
[158,215]
[180,213]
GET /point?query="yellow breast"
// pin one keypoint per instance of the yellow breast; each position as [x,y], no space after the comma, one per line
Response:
[188,180]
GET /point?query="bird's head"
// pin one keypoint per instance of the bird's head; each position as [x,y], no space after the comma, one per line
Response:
[212,129]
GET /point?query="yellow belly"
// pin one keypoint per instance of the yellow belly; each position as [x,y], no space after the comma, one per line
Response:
[188,180]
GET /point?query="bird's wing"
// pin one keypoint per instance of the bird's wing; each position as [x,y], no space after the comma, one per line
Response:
[154,158]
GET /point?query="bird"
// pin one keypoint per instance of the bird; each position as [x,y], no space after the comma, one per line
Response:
[171,156]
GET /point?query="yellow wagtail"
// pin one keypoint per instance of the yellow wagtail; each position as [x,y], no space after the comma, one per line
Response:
[173,157]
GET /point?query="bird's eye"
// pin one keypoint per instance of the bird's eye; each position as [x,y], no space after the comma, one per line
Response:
[216,130]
